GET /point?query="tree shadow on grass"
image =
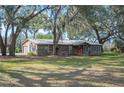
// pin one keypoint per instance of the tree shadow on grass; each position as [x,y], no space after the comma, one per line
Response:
[77,78]
[67,61]
[83,61]
[73,61]
[59,61]
[16,59]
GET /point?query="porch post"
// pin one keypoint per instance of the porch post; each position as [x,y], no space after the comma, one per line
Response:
[48,49]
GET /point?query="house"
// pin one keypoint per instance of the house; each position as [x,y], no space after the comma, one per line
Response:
[69,47]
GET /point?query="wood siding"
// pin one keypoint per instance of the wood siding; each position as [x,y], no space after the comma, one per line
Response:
[63,50]
[42,50]
[50,49]
[92,50]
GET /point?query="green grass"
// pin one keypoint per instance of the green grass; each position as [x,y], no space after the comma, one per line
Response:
[72,61]
[21,71]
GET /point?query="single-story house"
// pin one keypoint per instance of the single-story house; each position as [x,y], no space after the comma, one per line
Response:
[65,47]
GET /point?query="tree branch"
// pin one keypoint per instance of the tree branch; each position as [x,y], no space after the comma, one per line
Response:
[32,15]
[18,7]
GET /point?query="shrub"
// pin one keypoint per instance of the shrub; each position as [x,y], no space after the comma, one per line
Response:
[111,53]
[17,50]
[31,54]
[113,49]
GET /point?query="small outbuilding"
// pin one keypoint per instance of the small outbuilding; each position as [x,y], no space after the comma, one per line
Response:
[65,47]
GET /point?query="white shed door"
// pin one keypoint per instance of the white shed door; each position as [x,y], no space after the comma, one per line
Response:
[25,49]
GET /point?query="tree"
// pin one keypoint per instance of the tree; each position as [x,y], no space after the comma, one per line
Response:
[101,20]
[19,42]
[2,21]
[46,36]
[35,24]
[17,17]
[119,16]
[76,25]
[58,20]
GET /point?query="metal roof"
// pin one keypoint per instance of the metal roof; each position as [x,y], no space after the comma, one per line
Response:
[61,42]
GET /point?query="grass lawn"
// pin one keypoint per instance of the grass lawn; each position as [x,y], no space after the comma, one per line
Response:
[105,70]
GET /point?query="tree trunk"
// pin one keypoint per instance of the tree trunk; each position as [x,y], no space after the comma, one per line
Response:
[3,50]
[34,35]
[12,47]
[2,46]
[54,41]
[58,34]
[54,31]
[102,49]
[97,34]
[13,42]
[26,33]
[6,34]
[101,40]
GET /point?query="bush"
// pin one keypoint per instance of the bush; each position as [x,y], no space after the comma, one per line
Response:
[17,50]
[31,54]
[111,54]
[113,49]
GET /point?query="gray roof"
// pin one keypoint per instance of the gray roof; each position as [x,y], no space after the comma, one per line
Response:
[61,42]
